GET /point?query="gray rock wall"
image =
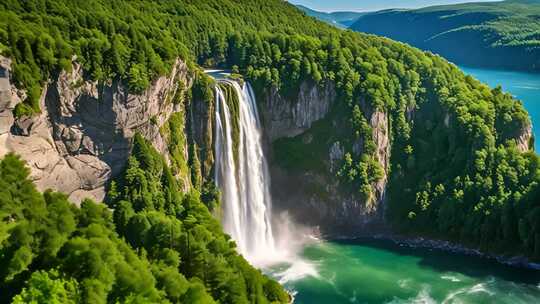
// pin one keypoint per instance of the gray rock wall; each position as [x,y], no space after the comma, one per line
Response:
[82,136]
[313,197]
[287,118]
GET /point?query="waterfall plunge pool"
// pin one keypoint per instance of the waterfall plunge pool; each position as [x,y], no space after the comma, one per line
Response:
[381,271]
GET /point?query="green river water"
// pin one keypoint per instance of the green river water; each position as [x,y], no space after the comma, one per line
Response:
[377,271]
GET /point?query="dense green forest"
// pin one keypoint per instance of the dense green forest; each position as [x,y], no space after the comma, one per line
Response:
[499,34]
[133,40]
[464,180]
[158,245]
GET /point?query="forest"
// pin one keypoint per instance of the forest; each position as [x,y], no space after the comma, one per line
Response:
[159,245]
[466,180]
[482,34]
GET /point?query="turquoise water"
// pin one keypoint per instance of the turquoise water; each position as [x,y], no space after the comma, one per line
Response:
[375,271]
[524,86]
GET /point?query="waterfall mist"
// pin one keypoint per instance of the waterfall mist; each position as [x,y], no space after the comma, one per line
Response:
[243,178]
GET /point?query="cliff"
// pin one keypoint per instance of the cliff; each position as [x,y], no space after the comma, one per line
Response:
[310,140]
[284,117]
[81,139]
[308,187]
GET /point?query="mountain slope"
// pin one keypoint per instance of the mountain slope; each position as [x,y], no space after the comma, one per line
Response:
[494,35]
[339,19]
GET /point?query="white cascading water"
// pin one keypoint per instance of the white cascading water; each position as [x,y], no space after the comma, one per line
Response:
[244,180]
[245,192]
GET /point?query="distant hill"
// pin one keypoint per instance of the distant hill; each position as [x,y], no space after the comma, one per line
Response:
[339,19]
[502,34]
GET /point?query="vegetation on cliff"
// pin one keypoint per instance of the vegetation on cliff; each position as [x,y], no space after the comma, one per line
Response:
[499,34]
[132,40]
[159,245]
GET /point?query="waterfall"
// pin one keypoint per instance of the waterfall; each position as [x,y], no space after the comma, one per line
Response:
[243,178]
[241,172]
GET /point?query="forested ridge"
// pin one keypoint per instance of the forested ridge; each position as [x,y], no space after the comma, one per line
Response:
[340,19]
[133,40]
[455,173]
[498,34]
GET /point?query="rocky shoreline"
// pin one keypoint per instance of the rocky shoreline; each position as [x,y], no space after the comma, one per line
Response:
[420,242]
[442,245]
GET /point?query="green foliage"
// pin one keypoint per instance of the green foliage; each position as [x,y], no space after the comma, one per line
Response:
[157,247]
[210,196]
[202,88]
[175,133]
[132,41]
[195,166]
[361,175]
[194,242]
[474,34]
[138,78]
[305,151]
[47,287]
[459,174]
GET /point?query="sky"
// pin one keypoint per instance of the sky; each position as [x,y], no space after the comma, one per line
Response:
[372,5]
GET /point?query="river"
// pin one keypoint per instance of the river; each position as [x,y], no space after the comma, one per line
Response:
[379,271]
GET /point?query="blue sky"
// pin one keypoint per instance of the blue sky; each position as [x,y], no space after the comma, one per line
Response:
[372,5]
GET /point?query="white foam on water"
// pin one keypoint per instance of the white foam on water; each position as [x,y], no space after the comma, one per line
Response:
[404,283]
[451,297]
[482,287]
[298,270]
[479,288]
[450,278]
[423,297]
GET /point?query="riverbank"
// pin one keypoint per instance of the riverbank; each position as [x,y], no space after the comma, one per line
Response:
[518,261]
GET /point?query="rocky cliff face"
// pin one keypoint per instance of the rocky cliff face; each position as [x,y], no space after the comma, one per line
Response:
[201,134]
[312,191]
[315,197]
[525,140]
[82,136]
[284,117]
[381,135]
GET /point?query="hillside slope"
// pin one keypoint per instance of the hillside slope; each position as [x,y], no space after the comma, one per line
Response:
[494,35]
[340,19]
